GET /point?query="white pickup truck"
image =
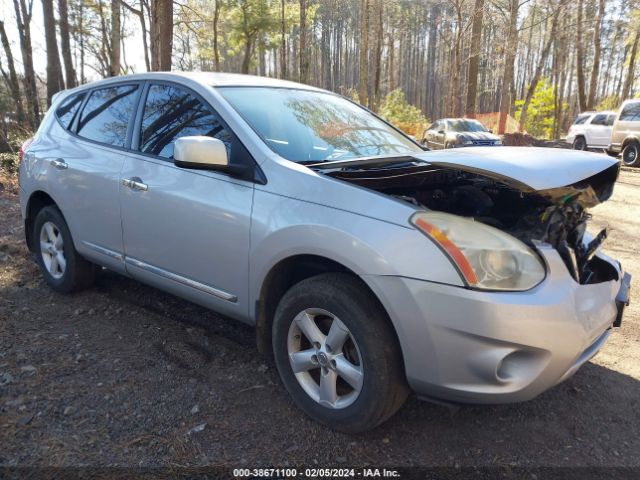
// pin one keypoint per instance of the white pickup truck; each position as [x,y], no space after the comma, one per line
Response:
[591,130]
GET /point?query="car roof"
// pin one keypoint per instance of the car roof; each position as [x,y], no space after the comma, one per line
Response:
[212,79]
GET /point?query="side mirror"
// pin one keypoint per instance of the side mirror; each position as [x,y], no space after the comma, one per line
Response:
[200,152]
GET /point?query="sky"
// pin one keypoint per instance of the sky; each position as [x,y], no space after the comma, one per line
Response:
[133,51]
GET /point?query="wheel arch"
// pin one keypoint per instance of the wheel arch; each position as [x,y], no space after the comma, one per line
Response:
[628,140]
[37,201]
[286,273]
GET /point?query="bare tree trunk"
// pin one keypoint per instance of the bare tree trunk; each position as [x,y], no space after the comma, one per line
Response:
[538,71]
[283,40]
[12,77]
[114,60]
[81,35]
[626,89]
[474,60]
[364,52]
[161,34]
[54,70]
[391,65]
[248,51]
[434,17]
[582,97]
[216,19]
[373,104]
[304,57]
[24,14]
[507,75]
[65,45]
[595,71]
[143,28]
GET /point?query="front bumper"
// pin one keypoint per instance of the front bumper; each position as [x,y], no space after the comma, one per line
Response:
[470,346]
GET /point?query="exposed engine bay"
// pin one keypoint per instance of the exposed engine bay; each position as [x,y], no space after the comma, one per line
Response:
[557,216]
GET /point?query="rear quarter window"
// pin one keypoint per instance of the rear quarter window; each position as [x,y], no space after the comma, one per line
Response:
[630,112]
[580,119]
[67,111]
[106,116]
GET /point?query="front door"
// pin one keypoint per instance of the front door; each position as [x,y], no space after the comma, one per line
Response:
[186,231]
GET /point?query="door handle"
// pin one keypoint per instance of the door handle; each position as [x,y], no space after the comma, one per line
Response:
[135,183]
[60,164]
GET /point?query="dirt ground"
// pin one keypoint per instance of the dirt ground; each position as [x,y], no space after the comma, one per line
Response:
[125,375]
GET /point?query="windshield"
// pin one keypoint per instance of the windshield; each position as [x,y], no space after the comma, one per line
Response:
[466,126]
[303,126]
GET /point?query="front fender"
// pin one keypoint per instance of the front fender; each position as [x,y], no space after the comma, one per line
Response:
[283,227]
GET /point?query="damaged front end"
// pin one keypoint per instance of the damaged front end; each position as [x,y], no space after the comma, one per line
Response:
[557,215]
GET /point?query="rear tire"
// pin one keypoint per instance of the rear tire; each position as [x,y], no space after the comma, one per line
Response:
[63,268]
[631,154]
[579,143]
[366,390]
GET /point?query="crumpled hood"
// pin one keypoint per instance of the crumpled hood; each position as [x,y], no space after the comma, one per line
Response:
[534,168]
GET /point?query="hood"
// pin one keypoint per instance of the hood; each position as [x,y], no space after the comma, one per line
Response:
[473,135]
[529,168]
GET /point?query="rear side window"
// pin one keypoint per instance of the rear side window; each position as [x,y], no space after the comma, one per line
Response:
[599,119]
[171,112]
[67,111]
[106,115]
[631,112]
[610,119]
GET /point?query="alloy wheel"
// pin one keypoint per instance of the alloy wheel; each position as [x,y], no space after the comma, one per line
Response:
[325,358]
[630,155]
[52,250]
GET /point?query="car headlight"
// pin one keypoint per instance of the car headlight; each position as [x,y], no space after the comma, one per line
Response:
[486,257]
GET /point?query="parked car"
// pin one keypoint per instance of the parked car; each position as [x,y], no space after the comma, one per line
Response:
[625,137]
[458,132]
[369,267]
[591,130]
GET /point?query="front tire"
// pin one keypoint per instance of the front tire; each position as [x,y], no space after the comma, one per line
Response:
[63,268]
[579,143]
[337,353]
[631,154]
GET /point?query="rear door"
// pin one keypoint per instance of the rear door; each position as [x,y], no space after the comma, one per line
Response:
[628,124]
[85,168]
[186,231]
[598,132]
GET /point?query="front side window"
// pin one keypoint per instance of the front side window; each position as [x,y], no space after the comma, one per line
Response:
[302,125]
[630,112]
[106,115]
[170,113]
[582,118]
[67,111]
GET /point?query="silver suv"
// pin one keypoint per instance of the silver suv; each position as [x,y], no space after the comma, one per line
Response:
[625,136]
[369,267]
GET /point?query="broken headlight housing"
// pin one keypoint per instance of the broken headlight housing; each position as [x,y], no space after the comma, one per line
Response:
[486,257]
